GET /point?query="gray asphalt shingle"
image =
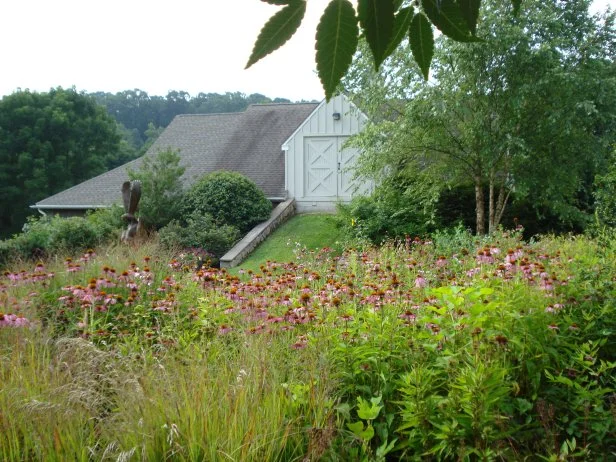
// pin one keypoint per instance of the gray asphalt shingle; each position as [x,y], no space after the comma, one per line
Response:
[248,142]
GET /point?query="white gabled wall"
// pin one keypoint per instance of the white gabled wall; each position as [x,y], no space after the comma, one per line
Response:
[320,128]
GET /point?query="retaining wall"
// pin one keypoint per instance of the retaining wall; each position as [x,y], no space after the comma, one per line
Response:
[256,235]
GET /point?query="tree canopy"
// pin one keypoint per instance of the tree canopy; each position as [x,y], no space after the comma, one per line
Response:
[49,142]
[528,113]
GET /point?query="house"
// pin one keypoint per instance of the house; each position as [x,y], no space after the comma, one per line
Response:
[291,151]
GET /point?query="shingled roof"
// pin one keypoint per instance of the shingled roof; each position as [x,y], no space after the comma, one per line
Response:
[248,142]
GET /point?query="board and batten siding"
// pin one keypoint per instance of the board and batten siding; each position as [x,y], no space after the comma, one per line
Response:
[318,167]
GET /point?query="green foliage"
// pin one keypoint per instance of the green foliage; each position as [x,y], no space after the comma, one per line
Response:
[49,142]
[421,41]
[395,210]
[383,23]
[161,188]
[201,232]
[45,236]
[230,198]
[605,195]
[106,222]
[470,127]
[336,43]
[278,30]
[70,234]
[376,18]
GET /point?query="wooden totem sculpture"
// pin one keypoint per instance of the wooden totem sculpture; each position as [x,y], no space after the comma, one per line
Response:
[131,193]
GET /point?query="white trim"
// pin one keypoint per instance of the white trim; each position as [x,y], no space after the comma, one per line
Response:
[286,143]
[69,207]
[285,148]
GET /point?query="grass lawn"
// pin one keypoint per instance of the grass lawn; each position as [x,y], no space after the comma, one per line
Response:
[314,231]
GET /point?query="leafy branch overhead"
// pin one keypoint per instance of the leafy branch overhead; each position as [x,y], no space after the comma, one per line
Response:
[383,23]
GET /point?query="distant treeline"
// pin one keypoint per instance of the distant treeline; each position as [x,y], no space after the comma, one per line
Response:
[141,114]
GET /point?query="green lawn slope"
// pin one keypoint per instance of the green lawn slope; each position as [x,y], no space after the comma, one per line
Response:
[313,231]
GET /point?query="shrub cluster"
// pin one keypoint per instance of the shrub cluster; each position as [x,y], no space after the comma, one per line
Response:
[45,235]
[386,214]
[199,231]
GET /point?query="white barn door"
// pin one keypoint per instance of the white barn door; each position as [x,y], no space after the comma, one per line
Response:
[347,158]
[326,167]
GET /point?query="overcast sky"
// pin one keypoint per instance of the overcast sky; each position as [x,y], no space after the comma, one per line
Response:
[156,46]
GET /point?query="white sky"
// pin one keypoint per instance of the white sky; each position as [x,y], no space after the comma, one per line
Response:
[156,46]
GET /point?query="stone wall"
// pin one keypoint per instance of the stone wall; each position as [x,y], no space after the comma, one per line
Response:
[281,213]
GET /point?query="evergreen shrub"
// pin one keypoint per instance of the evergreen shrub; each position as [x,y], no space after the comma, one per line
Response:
[229,198]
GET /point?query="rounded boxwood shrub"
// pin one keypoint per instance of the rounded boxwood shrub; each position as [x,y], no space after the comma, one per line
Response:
[230,198]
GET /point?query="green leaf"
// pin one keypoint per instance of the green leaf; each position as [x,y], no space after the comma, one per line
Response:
[447,17]
[278,30]
[422,42]
[356,427]
[336,42]
[377,21]
[516,6]
[277,2]
[402,22]
[358,430]
[470,13]
[368,410]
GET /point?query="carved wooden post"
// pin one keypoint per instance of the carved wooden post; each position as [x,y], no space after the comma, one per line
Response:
[131,193]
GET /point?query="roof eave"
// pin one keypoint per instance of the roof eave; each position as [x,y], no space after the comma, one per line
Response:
[68,207]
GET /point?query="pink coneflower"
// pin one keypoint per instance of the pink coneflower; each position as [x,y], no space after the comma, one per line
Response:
[408,316]
[224,329]
[553,327]
[13,320]
[420,281]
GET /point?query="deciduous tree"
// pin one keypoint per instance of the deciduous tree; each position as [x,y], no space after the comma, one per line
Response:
[49,142]
[529,112]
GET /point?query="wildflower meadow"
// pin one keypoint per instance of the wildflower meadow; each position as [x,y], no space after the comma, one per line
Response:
[448,348]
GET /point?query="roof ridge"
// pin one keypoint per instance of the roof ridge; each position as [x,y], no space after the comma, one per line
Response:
[282,104]
[208,114]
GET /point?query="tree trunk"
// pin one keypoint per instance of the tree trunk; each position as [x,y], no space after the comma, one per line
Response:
[480,227]
[501,204]
[491,216]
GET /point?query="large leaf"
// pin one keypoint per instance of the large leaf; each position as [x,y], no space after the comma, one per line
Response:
[402,22]
[336,42]
[278,30]
[377,21]
[470,13]
[446,15]
[277,2]
[422,42]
